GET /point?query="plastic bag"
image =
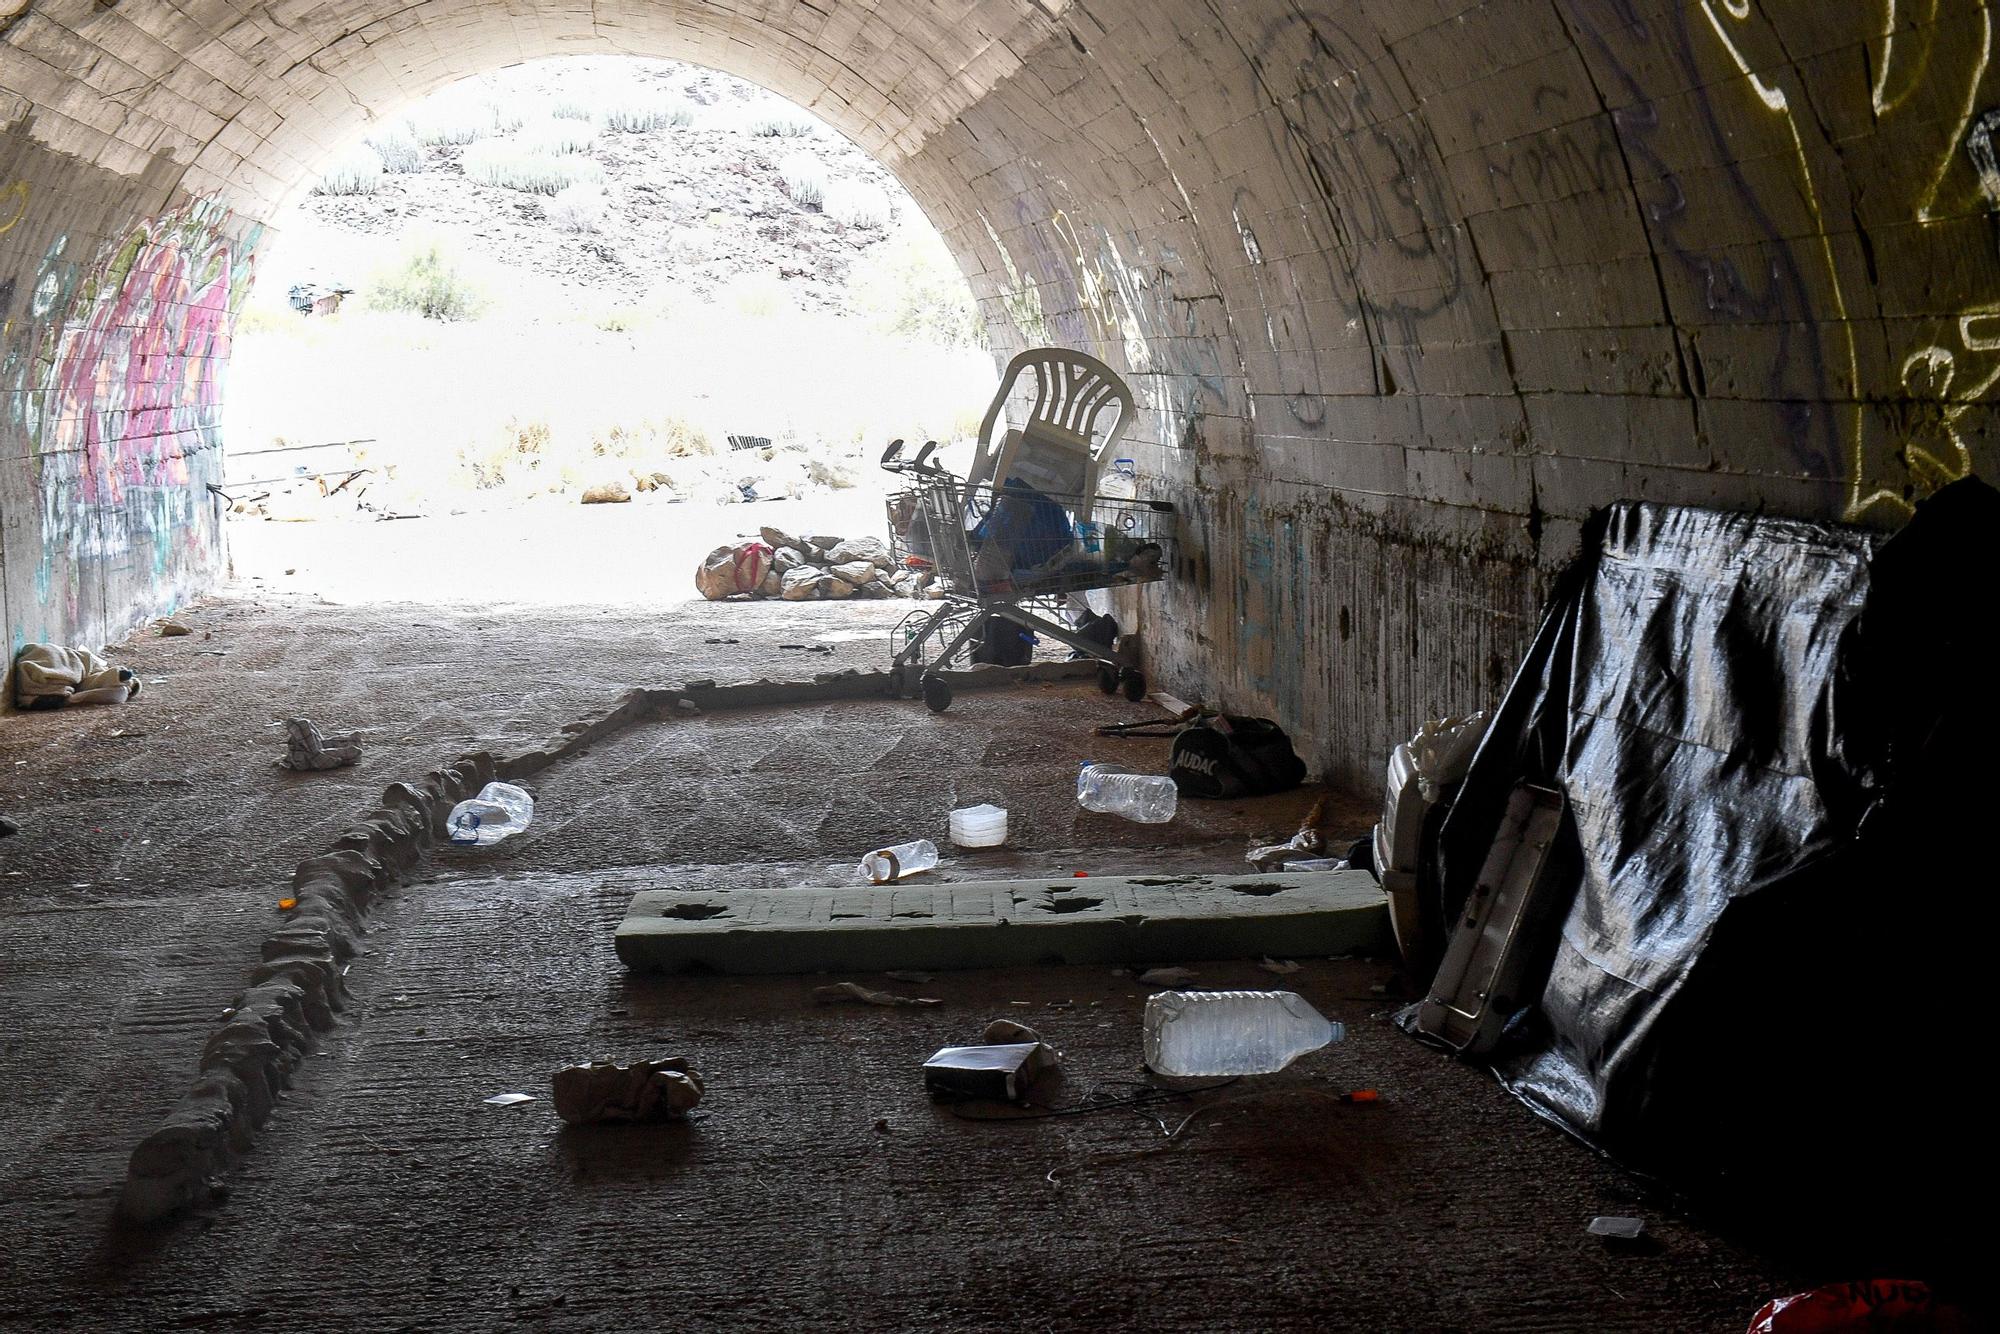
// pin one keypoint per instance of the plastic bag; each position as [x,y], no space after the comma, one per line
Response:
[499,811]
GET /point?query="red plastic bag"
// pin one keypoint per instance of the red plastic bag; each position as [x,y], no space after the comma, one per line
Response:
[1867,1307]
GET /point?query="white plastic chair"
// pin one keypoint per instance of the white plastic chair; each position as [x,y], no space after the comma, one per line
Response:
[1081,407]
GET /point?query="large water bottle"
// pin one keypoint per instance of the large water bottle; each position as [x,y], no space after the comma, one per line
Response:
[500,810]
[1232,1032]
[885,864]
[1147,798]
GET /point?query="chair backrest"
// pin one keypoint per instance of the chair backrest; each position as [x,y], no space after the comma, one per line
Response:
[1080,409]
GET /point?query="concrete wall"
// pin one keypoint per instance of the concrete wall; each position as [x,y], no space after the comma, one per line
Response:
[1406,286]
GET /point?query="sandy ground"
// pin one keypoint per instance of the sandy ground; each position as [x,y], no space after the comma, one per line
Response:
[817,1187]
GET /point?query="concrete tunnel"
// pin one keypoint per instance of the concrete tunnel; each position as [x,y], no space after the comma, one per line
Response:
[1406,288]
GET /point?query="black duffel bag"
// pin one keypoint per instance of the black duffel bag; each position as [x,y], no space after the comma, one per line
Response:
[1228,756]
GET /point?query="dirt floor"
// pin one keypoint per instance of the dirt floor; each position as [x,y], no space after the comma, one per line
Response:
[817,1186]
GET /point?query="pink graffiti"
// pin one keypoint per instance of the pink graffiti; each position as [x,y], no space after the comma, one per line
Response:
[136,381]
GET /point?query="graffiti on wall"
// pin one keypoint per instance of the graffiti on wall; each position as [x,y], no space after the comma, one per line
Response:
[1914,440]
[113,376]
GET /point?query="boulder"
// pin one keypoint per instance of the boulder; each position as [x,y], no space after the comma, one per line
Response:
[729,570]
[802,583]
[774,583]
[872,549]
[835,587]
[823,542]
[607,493]
[858,571]
[778,538]
[787,559]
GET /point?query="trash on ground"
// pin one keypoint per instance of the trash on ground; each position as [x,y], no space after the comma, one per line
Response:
[1004,1031]
[1113,790]
[173,630]
[979,826]
[307,748]
[1361,1097]
[8,827]
[1282,967]
[854,991]
[885,864]
[1318,864]
[1306,844]
[1232,1032]
[499,811]
[1424,772]
[49,676]
[1001,1072]
[1869,1304]
[1616,1226]
[1489,958]
[603,1093]
[508,1099]
[1233,756]
[1167,977]
[905,975]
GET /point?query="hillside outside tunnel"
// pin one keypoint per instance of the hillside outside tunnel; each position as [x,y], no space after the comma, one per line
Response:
[1405,289]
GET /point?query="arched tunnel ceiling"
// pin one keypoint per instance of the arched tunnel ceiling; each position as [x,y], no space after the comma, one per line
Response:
[1406,286]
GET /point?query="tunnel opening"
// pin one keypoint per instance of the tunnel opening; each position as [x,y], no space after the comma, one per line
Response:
[537,308]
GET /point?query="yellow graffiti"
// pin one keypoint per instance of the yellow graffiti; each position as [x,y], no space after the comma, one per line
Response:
[1022,301]
[1930,443]
[1774,98]
[1101,296]
[1879,94]
[18,192]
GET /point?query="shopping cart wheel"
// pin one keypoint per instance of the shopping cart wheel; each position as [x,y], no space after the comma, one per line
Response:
[1107,679]
[937,694]
[1134,683]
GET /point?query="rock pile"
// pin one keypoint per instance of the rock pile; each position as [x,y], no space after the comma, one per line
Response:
[807,569]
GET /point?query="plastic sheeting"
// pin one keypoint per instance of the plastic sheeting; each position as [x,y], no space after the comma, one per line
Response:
[1777,746]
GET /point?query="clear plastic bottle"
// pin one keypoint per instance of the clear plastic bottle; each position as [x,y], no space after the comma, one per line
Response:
[1146,798]
[886,864]
[1232,1032]
[500,809]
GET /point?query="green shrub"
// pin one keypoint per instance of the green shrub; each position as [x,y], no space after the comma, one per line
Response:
[641,113]
[427,281]
[451,121]
[858,204]
[780,125]
[804,180]
[356,171]
[515,167]
[398,147]
[580,208]
[910,286]
[556,137]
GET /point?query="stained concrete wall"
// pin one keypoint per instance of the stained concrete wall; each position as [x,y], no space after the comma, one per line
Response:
[1406,286]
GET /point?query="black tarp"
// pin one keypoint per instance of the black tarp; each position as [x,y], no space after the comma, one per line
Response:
[1776,740]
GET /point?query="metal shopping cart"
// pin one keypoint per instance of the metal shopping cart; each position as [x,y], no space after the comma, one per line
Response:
[1005,558]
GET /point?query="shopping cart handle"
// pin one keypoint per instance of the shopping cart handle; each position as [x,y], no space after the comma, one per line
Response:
[930,447]
[889,454]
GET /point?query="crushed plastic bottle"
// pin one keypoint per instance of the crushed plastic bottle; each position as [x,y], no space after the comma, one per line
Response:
[1146,798]
[886,864]
[500,810]
[1232,1032]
